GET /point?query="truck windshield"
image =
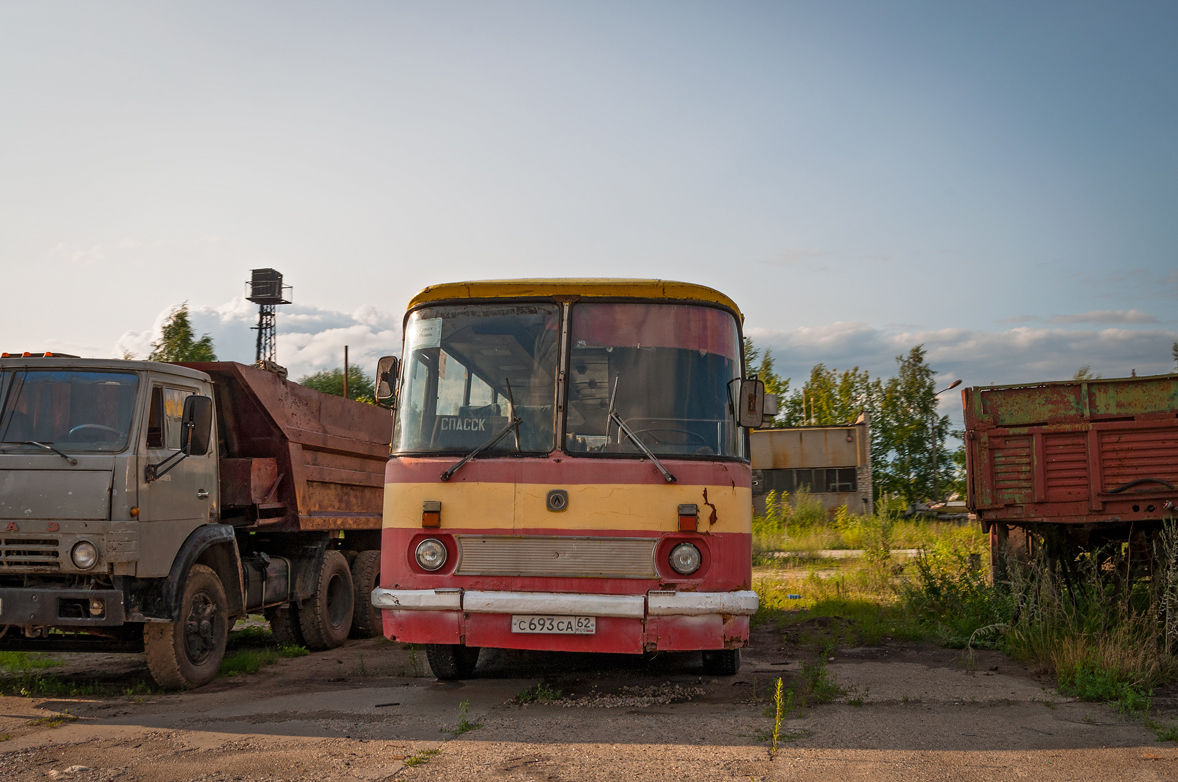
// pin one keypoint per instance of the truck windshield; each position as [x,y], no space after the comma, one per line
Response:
[76,410]
[465,366]
[671,365]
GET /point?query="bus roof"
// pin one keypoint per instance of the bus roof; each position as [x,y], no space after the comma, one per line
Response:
[588,287]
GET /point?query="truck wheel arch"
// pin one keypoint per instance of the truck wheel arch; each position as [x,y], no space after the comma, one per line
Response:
[215,546]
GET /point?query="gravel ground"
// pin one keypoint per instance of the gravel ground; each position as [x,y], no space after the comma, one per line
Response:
[369,711]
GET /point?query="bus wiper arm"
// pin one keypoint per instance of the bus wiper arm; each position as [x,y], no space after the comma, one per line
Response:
[46,446]
[511,424]
[617,419]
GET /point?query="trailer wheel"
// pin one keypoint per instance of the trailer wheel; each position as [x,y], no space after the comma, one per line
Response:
[327,617]
[451,661]
[721,662]
[284,625]
[187,653]
[366,618]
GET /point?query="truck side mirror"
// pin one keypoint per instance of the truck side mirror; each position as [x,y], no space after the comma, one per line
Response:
[196,425]
[750,403]
[387,370]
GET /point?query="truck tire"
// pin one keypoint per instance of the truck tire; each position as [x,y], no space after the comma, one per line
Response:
[366,618]
[284,625]
[187,653]
[326,618]
[721,662]
[451,661]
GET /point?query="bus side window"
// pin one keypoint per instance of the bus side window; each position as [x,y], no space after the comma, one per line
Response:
[155,419]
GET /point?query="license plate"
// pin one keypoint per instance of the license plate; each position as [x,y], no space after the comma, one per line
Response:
[556,625]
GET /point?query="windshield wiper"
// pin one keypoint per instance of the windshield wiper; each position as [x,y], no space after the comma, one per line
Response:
[46,446]
[513,423]
[612,416]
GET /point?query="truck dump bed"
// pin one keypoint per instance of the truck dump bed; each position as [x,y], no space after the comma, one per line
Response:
[1077,452]
[292,458]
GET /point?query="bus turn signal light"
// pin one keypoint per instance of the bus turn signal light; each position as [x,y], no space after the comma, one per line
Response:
[688,518]
[431,514]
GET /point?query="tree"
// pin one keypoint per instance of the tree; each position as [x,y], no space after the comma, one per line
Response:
[331,381]
[177,341]
[761,365]
[1085,373]
[905,431]
[1174,353]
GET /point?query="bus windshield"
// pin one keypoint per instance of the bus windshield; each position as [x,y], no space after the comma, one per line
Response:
[671,366]
[77,410]
[467,366]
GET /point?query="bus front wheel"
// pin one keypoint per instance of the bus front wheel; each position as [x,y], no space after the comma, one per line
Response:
[451,661]
[721,662]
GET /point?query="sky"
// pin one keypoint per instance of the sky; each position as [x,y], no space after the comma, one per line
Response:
[996,181]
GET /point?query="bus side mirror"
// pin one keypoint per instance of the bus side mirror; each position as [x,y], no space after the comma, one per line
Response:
[387,370]
[770,410]
[750,403]
[196,424]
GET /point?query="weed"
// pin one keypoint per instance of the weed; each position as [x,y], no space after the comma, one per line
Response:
[465,725]
[857,697]
[422,757]
[1160,729]
[779,704]
[360,670]
[540,692]
[54,721]
[4,737]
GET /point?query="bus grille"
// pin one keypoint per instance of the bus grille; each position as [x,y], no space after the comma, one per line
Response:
[40,553]
[556,556]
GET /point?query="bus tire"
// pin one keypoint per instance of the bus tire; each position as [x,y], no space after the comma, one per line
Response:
[187,653]
[451,661]
[326,618]
[721,662]
[366,618]
[284,625]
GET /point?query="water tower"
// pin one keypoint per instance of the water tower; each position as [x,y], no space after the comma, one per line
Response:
[265,289]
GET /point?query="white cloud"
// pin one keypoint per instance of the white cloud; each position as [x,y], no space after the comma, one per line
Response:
[1022,354]
[1096,317]
[309,338]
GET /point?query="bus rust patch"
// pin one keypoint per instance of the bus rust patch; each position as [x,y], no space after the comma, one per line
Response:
[712,515]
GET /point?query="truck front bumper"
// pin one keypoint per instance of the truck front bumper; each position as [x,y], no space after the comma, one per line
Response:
[52,607]
[659,620]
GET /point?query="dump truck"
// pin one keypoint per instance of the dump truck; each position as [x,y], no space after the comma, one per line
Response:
[148,506]
[1078,464]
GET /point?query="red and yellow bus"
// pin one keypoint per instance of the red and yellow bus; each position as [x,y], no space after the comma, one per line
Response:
[569,472]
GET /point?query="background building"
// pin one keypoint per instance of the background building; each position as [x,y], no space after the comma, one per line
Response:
[833,462]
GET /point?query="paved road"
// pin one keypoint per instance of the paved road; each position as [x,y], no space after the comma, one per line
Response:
[361,713]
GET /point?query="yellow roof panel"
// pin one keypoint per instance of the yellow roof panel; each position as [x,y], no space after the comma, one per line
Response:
[570,286]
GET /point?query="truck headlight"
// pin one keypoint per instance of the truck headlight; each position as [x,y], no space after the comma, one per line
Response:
[431,554]
[84,555]
[685,559]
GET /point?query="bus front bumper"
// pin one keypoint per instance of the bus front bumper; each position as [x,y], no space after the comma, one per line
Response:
[660,620]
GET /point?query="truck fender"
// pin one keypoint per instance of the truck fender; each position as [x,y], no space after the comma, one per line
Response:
[307,564]
[213,545]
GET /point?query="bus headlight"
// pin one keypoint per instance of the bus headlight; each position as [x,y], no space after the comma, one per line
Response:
[685,559]
[431,554]
[84,555]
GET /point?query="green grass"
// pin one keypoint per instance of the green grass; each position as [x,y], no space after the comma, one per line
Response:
[20,662]
[54,720]
[41,686]
[253,648]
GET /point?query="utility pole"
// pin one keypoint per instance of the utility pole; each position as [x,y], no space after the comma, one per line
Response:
[933,435]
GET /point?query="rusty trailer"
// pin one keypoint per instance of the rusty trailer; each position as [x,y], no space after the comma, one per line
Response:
[1095,460]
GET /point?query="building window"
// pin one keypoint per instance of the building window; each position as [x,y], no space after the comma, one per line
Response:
[816,480]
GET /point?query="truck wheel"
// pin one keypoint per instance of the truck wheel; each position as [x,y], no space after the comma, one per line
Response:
[366,618]
[721,662]
[284,625]
[188,652]
[327,617]
[450,661]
